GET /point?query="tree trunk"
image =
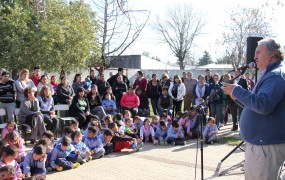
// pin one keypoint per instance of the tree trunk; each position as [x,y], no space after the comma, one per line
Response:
[181,63]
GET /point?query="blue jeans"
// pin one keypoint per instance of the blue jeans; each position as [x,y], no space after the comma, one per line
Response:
[154,104]
[216,112]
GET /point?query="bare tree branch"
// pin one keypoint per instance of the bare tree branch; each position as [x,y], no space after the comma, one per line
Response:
[179,29]
[119,27]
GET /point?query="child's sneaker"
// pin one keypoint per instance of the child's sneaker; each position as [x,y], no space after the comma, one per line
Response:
[139,146]
[184,143]
[134,145]
[49,169]
[59,168]
[212,142]
[75,165]
[88,158]
[173,143]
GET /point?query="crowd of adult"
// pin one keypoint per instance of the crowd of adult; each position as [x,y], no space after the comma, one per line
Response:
[36,95]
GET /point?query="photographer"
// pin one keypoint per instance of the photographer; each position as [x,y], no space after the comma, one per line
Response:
[216,102]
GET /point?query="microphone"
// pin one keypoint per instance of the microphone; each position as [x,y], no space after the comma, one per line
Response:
[250,66]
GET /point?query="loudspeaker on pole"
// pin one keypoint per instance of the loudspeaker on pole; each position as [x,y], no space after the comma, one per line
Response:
[251,44]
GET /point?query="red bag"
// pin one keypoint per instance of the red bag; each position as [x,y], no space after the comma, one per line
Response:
[119,145]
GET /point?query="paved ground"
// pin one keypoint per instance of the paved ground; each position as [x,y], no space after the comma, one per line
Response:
[160,162]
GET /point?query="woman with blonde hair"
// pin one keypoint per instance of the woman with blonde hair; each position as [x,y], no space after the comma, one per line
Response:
[47,108]
[21,84]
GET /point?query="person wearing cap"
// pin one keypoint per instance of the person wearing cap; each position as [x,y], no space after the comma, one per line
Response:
[36,76]
[113,79]
[21,84]
[8,95]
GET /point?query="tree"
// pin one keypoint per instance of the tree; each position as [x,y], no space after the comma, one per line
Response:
[179,28]
[206,59]
[224,60]
[244,22]
[65,37]
[119,27]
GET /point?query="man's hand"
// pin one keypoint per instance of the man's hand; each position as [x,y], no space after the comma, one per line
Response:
[228,88]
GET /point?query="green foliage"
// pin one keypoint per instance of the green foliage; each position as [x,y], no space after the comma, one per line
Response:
[62,35]
[230,141]
[224,60]
[206,59]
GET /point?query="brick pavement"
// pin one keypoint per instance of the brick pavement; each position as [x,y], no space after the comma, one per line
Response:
[159,162]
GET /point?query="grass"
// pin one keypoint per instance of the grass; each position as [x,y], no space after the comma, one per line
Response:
[229,140]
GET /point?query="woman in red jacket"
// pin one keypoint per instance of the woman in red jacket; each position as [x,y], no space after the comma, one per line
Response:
[130,101]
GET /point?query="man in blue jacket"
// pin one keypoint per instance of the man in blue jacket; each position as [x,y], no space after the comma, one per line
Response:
[262,120]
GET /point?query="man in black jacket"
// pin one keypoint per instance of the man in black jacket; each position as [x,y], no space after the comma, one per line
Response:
[113,79]
[102,85]
[119,88]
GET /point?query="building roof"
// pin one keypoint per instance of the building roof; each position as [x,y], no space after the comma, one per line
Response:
[148,63]
[215,67]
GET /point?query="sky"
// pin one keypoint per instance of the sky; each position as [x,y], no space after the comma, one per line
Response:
[214,13]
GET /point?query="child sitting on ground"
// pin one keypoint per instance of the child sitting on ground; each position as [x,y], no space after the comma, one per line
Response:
[210,133]
[11,126]
[49,135]
[13,138]
[154,122]
[34,162]
[85,154]
[107,120]
[47,144]
[138,123]
[161,133]
[121,141]
[130,129]
[93,142]
[127,115]
[166,117]
[7,173]
[175,135]
[9,154]
[147,132]
[184,124]
[194,124]
[74,125]
[106,138]
[67,132]
[109,105]
[64,156]
[177,117]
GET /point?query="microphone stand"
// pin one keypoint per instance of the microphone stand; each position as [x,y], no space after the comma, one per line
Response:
[199,108]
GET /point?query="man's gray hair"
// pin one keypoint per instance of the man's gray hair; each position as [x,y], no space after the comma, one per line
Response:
[273,47]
